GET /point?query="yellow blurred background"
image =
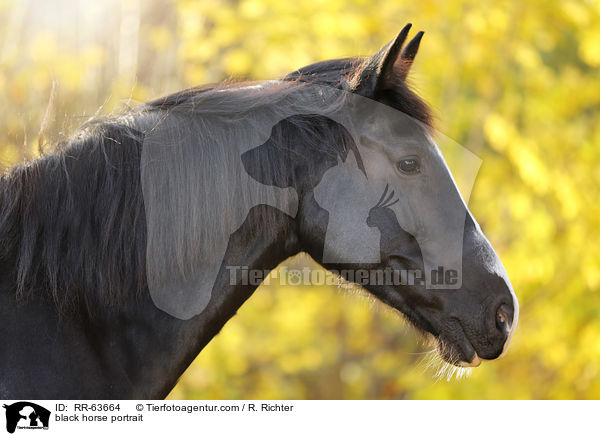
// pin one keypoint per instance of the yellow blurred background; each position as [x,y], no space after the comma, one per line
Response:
[516,82]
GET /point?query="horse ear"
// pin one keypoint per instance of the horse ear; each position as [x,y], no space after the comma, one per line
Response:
[397,63]
[387,68]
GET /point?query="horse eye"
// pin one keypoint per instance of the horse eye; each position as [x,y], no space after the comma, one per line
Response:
[409,165]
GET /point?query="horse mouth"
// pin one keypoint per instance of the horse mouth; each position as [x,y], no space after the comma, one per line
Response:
[448,353]
[455,347]
[447,333]
[475,361]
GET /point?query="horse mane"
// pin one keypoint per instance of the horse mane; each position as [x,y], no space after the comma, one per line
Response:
[72,222]
[333,72]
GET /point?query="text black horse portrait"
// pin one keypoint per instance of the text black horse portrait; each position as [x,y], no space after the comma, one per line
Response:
[116,250]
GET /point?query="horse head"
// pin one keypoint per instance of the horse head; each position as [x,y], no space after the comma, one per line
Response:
[376,192]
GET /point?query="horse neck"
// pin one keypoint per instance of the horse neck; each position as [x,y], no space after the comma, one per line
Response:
[166,345]
[127,349]
[134,350]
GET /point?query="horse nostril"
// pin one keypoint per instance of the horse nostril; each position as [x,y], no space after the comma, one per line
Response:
[502,318]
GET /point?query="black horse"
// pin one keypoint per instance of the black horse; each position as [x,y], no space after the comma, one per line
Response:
[83,257]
